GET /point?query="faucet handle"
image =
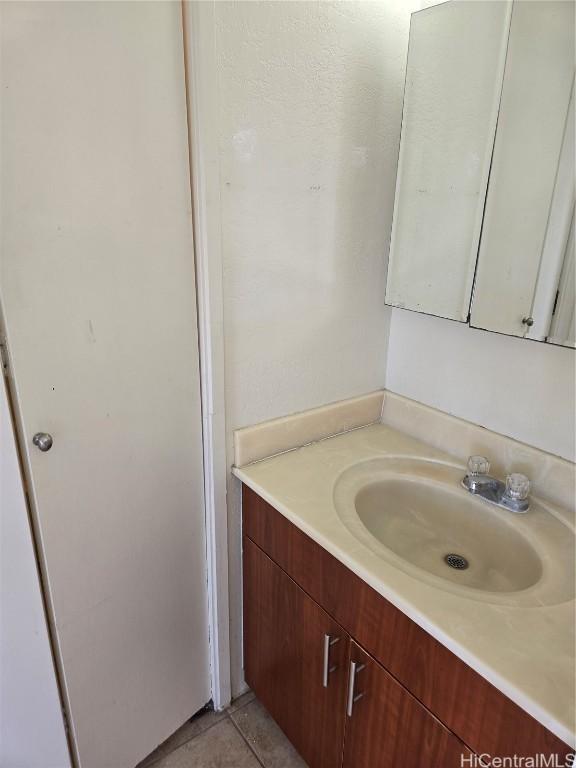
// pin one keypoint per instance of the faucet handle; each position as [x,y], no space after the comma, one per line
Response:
[478,465]
[517,486]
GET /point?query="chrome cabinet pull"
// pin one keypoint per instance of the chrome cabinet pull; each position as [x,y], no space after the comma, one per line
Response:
[326,668]
[354,669]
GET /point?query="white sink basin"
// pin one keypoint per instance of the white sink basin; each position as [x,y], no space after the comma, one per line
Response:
[415,515]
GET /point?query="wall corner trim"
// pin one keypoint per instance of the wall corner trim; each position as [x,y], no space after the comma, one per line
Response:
[201,95]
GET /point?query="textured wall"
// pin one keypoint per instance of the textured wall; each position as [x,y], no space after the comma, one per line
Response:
[310,98]
[523,389]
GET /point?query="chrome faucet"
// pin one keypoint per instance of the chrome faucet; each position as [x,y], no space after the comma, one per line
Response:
[511,495]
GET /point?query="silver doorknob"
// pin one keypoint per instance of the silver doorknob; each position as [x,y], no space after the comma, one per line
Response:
[43,441]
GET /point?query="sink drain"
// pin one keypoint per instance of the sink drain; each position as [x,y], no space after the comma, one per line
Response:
[456,561]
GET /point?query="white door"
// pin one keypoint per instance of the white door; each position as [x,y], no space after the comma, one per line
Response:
[32,731]
[98,297]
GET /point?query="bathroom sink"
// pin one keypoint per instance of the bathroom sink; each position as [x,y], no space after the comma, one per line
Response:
[415,515]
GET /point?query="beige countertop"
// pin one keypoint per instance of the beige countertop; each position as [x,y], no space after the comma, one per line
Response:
[526,651]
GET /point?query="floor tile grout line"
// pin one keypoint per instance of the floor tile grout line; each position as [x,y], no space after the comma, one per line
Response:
[231,711]
[244,739]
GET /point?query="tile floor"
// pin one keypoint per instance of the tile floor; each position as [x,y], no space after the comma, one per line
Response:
[243,736]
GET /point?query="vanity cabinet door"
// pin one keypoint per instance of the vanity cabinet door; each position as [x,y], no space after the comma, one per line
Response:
[295,660]
[387,727]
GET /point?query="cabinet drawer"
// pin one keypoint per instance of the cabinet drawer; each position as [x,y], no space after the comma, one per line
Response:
[484,718]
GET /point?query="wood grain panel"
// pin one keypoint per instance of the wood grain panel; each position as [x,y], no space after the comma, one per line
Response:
[283,660]
[390,728]
[484,718]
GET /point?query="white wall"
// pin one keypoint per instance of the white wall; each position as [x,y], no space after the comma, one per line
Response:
[310,98]
[31,728]
[520,388]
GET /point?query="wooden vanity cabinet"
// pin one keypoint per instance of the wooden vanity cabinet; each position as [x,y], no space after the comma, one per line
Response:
[298,661]
[422,706]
